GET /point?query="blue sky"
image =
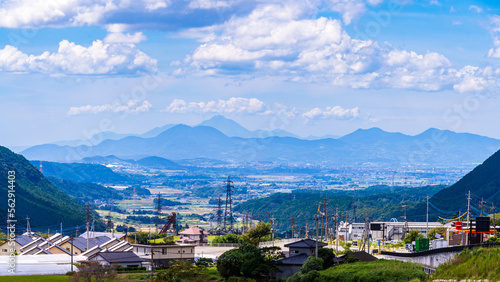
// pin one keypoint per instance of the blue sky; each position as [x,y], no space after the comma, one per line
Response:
[72,68]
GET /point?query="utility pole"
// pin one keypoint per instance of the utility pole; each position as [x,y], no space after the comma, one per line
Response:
[406,222]
[273,224]
[492,210]
[468,218]
[427,219]
[317,233]
[88,223]
[293,221]
[28,228]
[336,229]
[71,251]
[482,205]
[61,231]
[326,218]
[219,212]
[229,203]
[158,212]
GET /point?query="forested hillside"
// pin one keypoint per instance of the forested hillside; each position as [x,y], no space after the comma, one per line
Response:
[36,197]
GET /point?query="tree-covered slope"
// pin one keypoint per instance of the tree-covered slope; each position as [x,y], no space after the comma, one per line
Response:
[379,203]
[35,196]
[79,172]
[85,191]
[483,182]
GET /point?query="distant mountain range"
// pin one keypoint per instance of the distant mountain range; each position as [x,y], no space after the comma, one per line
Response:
[433,146]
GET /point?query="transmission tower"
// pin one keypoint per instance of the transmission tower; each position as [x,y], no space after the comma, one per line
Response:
[41,166]
[158,211]
[406,222]
[229,203]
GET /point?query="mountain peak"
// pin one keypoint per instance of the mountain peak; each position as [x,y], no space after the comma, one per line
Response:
[227,126]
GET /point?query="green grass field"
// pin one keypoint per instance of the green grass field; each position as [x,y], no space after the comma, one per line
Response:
[34,278]
[375,271]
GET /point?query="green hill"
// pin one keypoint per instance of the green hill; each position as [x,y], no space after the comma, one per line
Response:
[36,197]
[79,172]
[85,191]
[379,203]
[483,182]
[481,263]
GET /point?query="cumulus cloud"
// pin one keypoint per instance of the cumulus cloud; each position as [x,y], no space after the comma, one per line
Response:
[38,13]
[132,106]
[335,112]
[71,59]
[351,10]
[280,40]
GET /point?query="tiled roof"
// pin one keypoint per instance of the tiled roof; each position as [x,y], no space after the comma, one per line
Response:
[23,240]
[295,260]
[120,257]
[81,243]
[192,231]
[306,243]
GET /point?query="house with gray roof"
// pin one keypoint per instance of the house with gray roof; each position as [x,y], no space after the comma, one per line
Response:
[118,259]
[298,253]
[19,242]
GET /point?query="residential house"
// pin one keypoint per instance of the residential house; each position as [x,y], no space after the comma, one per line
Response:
[193,235]
[118,259]
[298,253]
[163,254]
[15,245]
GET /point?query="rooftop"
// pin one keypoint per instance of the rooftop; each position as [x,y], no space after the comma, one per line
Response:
[192,231]
[305,243]
[120,257]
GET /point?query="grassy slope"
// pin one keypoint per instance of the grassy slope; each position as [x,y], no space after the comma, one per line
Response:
[38,278]
[379,270]
[481,263]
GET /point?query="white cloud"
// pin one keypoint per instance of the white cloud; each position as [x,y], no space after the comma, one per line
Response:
[351,10]
[476,9]
[211,4]
[335,112]
[118,37]
[72,59]
[454,22]
[133,107]
[278,40]
[39,13]
[234,105]
[494,31]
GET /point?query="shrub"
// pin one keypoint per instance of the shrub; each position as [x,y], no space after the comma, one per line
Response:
[312,263]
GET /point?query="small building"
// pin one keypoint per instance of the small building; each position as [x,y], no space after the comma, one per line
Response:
[118,259]
[80,244]
[18,243]
[163,254]
[193,235]
[298,253]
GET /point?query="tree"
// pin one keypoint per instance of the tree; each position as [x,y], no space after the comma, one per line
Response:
[255,235]
[180,270]
[229,263]
[410,237]
[434,231]
[327,255]
[93,270]
[312,263]
[249,261]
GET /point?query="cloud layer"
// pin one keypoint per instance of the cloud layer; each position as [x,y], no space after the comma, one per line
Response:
[133,107]
[278,40]
[239,105]
[98,59]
